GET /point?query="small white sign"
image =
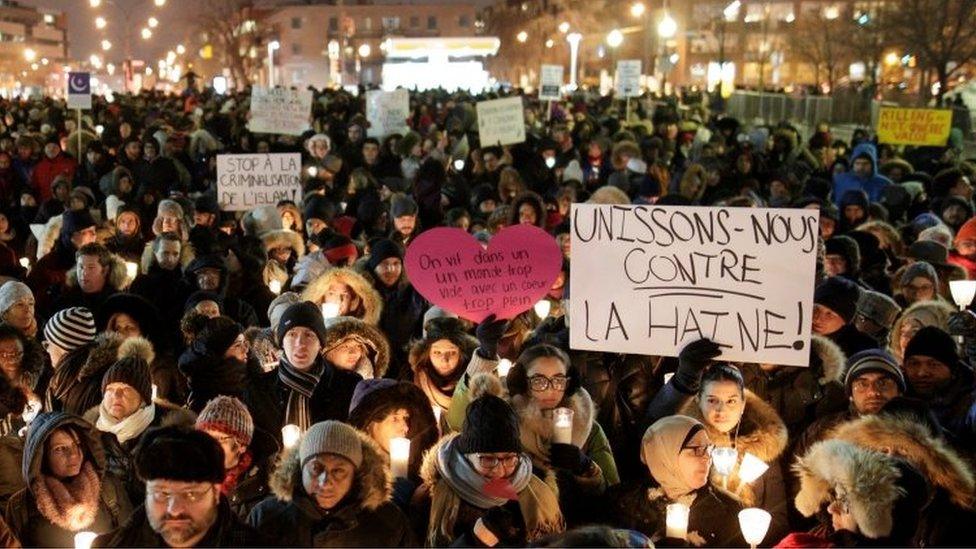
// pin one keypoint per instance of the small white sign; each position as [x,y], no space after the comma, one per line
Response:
[246,181]
[501,121]
[628,78]
[280,110]
[79,90]
[551,82]
[387,112]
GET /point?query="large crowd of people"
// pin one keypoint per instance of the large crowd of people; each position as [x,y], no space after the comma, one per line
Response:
[173,374]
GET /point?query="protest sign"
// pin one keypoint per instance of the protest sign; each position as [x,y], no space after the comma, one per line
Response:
[280,110]
[922,127]
[501,121]
[550,83]
[387,112]
[455,272]
[79,90]
[245,181]
[628,78]
[649,279]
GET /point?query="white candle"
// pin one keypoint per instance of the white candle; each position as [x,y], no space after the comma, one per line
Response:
[24,262]
[290,434]
[754,524]
[751,468]
[504,365]
[399,456]
[155,391]
[562,426]
[131,269]
[542,308]
[724,460]
[437,414]
[275,286]
[330,310]
[83,540]
[677,521]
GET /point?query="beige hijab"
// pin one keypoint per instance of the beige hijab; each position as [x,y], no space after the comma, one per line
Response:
[659,450]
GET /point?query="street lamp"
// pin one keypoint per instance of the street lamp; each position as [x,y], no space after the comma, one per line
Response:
[106,45]
[146,33]
[94,3]
[574,42]
[365,50]
[615,38]
[180,49]
[564,27]
[100,22]
[272,46]
[637,9]
[30,55]
[522,36]
[160,3]
[668,27]
[153,22]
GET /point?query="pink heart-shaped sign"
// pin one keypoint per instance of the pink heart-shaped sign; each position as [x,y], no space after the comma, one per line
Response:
[454,271]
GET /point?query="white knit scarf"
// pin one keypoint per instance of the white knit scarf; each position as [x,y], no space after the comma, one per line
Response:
[128,428]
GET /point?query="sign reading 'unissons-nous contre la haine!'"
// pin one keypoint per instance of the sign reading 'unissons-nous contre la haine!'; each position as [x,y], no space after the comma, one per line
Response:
[649,279]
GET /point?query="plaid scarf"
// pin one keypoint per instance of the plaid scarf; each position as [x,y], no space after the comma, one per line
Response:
[301,385]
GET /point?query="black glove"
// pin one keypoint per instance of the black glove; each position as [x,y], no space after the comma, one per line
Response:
[694,358]
[569,458]
[489,333]
[506,523]
[962,323]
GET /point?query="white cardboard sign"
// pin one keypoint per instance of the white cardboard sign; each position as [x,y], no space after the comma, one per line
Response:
[245,181]
[551,82]
[501,121]
[280,110]
[628,78]
[650,279]
[387,112]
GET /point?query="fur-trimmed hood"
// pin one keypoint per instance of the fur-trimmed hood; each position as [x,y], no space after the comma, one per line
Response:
[372,486]
[914,442]
[148,259]
[117,276]
[832,359]
[371,306]
[868,479]
[761,431]
[420,350]
[377,357]
[283,238]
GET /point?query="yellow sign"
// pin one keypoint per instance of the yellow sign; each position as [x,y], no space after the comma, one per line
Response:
[924,127]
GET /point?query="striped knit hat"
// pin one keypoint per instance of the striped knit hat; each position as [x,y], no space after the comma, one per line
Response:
[226,414]
[71,328]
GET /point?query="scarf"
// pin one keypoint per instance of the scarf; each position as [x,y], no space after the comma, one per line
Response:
[659,450]
[301,385]
[461,476]
[128,428]
[71,504]
[439,389]
[232,475]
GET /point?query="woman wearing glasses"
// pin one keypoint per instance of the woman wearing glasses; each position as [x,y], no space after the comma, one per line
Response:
[67,491]
[483,491]
[540,381]
[677,452]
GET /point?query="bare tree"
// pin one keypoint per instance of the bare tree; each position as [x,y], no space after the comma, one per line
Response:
[940,33]
[231,29]
[817,40]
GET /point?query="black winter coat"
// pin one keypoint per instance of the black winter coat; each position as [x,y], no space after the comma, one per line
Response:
[227,531]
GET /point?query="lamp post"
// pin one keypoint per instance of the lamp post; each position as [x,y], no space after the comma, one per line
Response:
[272,46]
[574,39]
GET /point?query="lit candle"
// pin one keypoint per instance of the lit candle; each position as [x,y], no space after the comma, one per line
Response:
[667,377]
[290,434]
[399,456]
[724,460]
[542,308]
[83,540]
[750,469]
[155,391]
[504,365]
[437,414]
[24,262]
[131,269]
[459,164]
[275,286]
[754,524]
[677,521]
[562,426]
[330,310]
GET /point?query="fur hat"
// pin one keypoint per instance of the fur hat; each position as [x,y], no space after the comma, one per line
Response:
[847,248]
[11,292]
[260,220]
[878,308]
[180,454]
[226,414]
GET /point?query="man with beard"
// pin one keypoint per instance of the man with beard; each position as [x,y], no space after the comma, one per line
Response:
[936,375]
[182,469]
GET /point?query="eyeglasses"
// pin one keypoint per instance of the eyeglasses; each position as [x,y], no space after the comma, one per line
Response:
[11,356]
[700,451]
[186,496]
[542,383]
[490,462]
[881,385]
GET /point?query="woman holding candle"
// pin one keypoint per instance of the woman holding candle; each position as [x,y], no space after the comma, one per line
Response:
[333,490]
[67,490]
[676,450]
[350,290]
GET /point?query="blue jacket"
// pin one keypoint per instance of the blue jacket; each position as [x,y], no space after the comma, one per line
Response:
[873,185]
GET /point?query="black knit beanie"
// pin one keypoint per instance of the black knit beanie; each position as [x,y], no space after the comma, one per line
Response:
[218,335]
[132,371]
[383,248]
[839,295]
[933,342]
[305,315]
[490,425]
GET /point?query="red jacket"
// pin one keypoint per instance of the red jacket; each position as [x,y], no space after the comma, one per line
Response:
[965,263]
[45,172]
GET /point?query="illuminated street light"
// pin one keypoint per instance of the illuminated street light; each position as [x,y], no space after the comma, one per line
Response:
[522,36]
[637,9]
[365,50]
[615,38]
[892,59]
[160,3]
[34,66]
[831,12]
[668,27]
[44,61]
[550,43]
[564,27]
[146,33]
[180,49]
[100,22]
[153,22]
[30,55]
[94,3]
[106,45]
[95,61]
[731,12]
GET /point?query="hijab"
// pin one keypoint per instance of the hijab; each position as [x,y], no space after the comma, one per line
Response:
[660,448]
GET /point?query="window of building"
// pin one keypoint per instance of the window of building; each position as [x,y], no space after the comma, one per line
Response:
[414,21]
[432,22]
[296,22]
[368,23]
[333,24]
[463,21]
[296,49]
[391,23]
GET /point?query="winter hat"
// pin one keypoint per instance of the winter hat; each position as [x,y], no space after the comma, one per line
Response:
[873,360]
[879,308]
[401,205]
[870,249]
[180,454]
[218,334]
[490,425]
[279,304]
[366,387]
[206,204]
[11,292]
[921,269]
[73,221]
[331,437]
[226,414]
[332,163]
[934,342]
[260,220]
[839,295]
[929,251]
[337,248]
[319,207]
[382,249]
[436,315]
[847,248]
[71,328]
[203,295]
[966,232]
[132,371]
[305,315]
[925,220]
